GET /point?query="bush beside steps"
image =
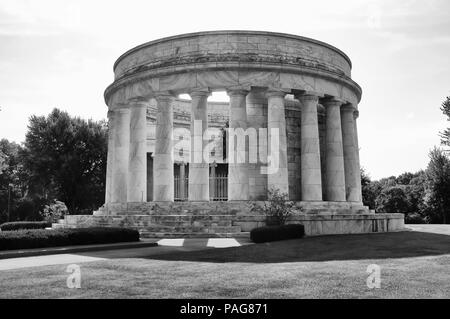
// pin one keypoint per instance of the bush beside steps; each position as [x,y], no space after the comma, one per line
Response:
[275,233]
[24,225]
[41,238]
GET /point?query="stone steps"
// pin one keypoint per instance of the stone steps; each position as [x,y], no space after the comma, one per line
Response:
[183,217]
[188,229]
[176,211]
[176,229]
[186,221]
[148,234]
[183,224]
[231,214]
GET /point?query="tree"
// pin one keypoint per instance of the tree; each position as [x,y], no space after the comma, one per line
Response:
[438,186]
[415,191]
[388,182]
[66,159]
[3,164]
[405,178]
[445,135]
[12,187]
[369,190]
[392,200]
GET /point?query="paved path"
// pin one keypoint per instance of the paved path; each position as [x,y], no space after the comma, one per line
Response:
[25,262]
[435,229]
[165,246]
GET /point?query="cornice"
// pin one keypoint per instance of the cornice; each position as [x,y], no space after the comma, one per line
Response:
[231,33]
[232,66]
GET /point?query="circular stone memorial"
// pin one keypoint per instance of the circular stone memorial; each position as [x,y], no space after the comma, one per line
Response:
[191,167]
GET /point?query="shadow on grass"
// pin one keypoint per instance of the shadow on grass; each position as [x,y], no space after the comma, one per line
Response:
[325,248]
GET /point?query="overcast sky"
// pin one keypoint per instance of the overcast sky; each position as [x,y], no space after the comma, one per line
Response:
[57,53]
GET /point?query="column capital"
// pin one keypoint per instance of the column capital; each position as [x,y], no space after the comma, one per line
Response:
[122,109]
[164,96]
[257,96]
[304,97]
[139,104]
[238,90]
[116,107]
[331,101]
[277,92]
[138,99]
[348,108]
[201,92]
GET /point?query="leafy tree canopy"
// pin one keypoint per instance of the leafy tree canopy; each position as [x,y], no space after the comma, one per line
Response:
[392,200]
[66,157]
[445,135]
[438,185]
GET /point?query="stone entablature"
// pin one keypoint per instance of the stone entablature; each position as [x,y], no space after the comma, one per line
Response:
[260,59]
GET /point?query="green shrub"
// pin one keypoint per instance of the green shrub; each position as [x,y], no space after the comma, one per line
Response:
[415,218]
[27,209]
[54,211]
[40,238]
[275,233]
[24,225]
[277,208]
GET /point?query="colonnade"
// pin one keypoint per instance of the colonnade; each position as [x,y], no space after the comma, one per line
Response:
[126,162]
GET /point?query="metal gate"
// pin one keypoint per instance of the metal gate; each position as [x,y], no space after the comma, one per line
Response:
[218,188]
[181,188]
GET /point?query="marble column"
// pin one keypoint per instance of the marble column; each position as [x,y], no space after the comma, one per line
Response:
[311,173]
[212,184]
[182,180]
[358,174]
[277,177]
[238,173]
[137,177]
[110,157]
[351,158]
[198,167]
[256,102]
[163,175]
[121,155]
[334,158]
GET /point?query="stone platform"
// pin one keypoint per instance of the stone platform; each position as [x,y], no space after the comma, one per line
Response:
[233,219]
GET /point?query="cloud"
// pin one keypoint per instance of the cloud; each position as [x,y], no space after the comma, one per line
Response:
[43,17]
[407,24]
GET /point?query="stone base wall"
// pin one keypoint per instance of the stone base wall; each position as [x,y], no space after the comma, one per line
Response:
[333,224]
[234,219]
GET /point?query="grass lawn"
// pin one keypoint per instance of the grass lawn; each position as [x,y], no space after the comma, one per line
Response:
[413,265]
